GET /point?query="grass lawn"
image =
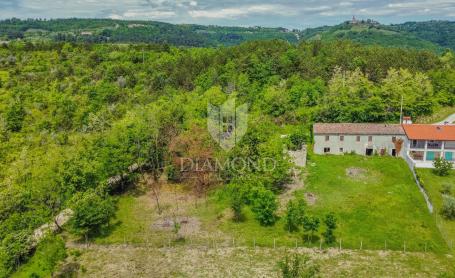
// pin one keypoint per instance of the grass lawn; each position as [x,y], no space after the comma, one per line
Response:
[381,205]
[433,185]
[379,202]
[438,116]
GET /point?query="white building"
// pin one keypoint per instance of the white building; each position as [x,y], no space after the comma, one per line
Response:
[363,139]
[425,143]
[418,144]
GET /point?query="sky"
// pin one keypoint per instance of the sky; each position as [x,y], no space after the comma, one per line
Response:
[287,13]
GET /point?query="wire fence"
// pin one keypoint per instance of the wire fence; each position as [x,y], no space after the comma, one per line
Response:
[339,243]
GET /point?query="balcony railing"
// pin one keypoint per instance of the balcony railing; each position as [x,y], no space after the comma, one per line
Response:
[434,145]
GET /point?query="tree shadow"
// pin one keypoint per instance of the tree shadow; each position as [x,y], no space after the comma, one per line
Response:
[311,238]
[106,230]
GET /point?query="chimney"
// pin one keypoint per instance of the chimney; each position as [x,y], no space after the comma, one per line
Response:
[407,120]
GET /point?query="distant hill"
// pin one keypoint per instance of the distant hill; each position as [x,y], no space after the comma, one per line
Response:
[438,32]
[371,32]
[108,30]
[431,35]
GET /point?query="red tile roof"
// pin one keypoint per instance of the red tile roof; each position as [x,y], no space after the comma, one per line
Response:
[430,132]
[358,129]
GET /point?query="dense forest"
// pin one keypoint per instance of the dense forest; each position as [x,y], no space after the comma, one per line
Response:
[72,116]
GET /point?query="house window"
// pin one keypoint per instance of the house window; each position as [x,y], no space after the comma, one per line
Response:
[449,156]
[341,150]
[326,150]
[327,138]
[370,138]
[418,144]
[449,145]
[394,139]
[341,138]
[431,156]
[358,139]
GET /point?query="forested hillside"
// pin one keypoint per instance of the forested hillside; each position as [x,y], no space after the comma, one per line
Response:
[107,30]
[423,35]
[431,35]
[74,115]
[439,32]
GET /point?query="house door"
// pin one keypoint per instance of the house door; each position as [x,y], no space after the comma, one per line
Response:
[369,152]
[394,152]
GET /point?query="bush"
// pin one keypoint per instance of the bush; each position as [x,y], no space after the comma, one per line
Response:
[14,250]
[448,207]
[48,254]
[298,266]
[265,206]
[442,167]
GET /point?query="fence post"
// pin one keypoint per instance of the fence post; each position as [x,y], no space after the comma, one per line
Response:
[233,242]
[425,247]
[254,243]
[340,244]
[296,244]
[404,246]
[274,243]
[320,244]
[361,244]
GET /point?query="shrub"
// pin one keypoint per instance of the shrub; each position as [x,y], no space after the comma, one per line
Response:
[448,207]
[48,254]
[446,189]
[265,206]
[295,214]
[298,266]
[442,167]
[14,250]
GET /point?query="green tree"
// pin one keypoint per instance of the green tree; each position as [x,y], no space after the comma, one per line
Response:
[295,214]
[15,116]
[330,222]
[237,204]
[311,225]
[265,206]
[91,213]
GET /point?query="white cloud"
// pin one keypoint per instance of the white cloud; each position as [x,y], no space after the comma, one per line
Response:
[151,14]
[271,9]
